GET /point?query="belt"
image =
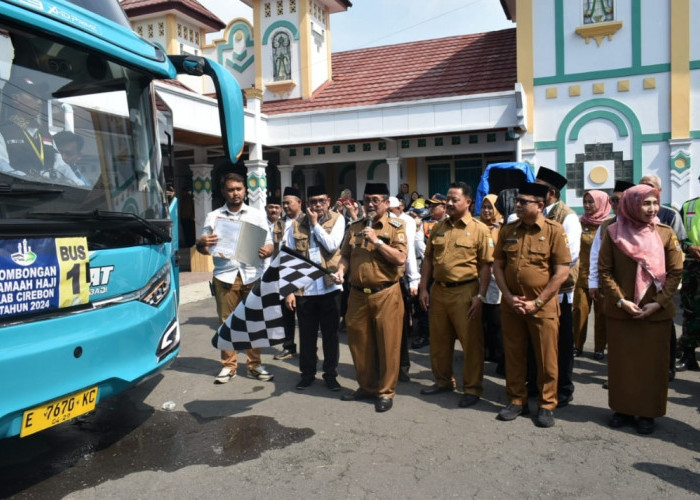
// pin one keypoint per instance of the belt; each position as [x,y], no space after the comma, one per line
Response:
[369,290]
[454,284]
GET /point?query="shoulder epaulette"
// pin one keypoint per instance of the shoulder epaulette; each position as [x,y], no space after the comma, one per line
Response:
[396,223]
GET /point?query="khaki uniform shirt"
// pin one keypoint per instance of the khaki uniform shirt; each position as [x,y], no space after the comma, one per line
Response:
[458,249]
[368,268]
[530,254]
[584,256]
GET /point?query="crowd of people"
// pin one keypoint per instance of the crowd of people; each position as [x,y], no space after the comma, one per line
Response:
[514,286]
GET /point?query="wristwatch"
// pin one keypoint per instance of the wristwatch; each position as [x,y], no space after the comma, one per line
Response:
[619,303]
[538,303]
[481,297]
[379,243]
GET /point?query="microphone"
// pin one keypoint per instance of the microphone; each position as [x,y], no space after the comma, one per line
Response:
[368,223]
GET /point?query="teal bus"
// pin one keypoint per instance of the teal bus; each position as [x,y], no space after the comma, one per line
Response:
[88,275]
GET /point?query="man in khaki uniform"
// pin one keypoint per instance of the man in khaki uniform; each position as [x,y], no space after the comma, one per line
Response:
[531,261]
[373,256]
[458,257]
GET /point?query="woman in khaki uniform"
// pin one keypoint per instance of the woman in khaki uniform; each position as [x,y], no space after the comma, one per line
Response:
[596,207]
[640,266]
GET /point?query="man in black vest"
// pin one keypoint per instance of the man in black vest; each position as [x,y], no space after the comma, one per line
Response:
[317,235]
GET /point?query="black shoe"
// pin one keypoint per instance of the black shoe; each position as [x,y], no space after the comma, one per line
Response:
[671,374]
[403,375]
[645,425]
[620,419]
[420,342]
[434,389]
[598,355]
[545,418]
[512,411]
[304,383]
[605,385]
[383,404]
[331,383]
[687,361]
[577,352]
[564,399]
[468,400]
[356,395]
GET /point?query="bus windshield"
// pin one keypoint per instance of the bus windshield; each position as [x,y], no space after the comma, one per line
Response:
[77,133]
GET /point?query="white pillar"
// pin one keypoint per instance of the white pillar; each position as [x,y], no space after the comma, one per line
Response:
[257,183]
[285,176]
[394,174]
[201,192]
[309,178]
[361,170]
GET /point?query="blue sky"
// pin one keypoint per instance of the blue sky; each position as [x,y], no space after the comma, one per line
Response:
[369,23]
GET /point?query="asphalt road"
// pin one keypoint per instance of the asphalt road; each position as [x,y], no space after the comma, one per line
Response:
[256,439]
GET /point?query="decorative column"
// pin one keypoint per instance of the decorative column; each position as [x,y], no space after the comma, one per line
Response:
[682,185]
[394,174]
[309,178]
[201,193]
[256,176]
[257,183]
[285,175]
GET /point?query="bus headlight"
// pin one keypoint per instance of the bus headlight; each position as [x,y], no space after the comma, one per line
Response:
[157,289]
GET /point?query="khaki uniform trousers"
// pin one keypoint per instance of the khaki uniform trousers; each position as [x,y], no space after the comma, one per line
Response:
[374,326]
[582,307]
[543,333]
[449,322]
[227,298]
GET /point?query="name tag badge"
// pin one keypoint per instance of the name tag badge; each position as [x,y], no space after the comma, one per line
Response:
[511,240]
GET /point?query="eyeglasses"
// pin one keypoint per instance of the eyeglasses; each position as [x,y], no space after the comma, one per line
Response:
[615,199]
[523,201]
[317,201]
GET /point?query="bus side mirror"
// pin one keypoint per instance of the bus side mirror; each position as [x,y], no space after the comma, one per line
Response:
[228,95]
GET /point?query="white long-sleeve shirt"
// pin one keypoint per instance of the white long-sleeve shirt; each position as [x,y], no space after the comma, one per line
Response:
[411,265]
[320,238]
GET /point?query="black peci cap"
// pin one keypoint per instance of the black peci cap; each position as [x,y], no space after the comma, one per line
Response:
[376,188]
[621,186]
[551,177]
[533,189]
[291,191]
[317,190]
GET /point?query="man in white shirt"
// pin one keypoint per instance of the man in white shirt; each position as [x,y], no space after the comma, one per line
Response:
[317,235]
[557,210]
[233,279]
[409,282]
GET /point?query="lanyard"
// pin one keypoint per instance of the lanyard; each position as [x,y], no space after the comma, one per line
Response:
[39,152]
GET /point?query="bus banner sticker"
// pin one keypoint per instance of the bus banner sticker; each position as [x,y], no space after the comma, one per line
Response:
[43,274]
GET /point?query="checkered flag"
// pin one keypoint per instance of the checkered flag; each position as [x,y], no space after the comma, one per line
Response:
[257,320]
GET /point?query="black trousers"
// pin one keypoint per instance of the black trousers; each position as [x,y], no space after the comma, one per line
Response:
[565,358]
[314,312]
[405,361]
[566,349]
[493,336]
[289,325]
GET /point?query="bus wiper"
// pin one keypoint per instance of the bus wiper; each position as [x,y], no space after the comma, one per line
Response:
[158,234]
[10,190]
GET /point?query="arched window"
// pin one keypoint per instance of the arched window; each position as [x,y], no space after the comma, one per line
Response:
[598,11]
[281,56]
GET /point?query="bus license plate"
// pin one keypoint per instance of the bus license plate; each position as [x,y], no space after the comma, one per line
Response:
[58,411]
